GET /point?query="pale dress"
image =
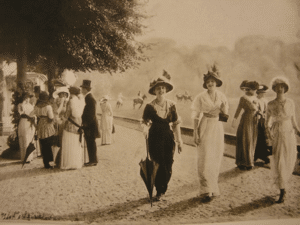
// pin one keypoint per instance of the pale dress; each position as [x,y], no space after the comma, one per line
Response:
[26,130]
[281,121]
[211,132]
[106,124]
[72,154]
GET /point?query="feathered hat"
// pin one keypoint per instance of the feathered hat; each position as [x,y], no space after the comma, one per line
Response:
[213,73]
[163,79]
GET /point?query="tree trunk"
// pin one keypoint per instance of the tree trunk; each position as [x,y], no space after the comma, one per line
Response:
[22,63]
[51,69]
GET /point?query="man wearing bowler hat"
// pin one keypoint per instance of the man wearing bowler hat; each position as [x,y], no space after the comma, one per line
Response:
[90,123]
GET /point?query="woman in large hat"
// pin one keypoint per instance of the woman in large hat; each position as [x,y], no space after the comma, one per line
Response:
[261,150]
[45,129]
[281,126]
[161,113]
[246,135]
[72,140]
[26,128]
[106,123]
[60,96]
[209,133]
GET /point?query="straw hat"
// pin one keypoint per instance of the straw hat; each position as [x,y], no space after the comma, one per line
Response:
[280,80]
[61,90]
[164,79]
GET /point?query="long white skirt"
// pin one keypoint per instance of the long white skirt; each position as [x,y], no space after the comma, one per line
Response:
[25,134]
[71,151]
[284,156]
[210,154]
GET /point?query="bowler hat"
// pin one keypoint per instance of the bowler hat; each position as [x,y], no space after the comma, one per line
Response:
[164,79]
[86,84]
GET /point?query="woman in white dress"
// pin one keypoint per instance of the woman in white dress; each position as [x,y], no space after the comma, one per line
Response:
[209,133]
[281,128]
[26,128]
[106,124]
[71,150]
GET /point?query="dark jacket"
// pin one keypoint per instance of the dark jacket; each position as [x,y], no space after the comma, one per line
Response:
[89,117]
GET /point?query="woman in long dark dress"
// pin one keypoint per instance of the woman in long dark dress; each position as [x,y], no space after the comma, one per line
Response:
[246,135]
[162,115]
[261,149]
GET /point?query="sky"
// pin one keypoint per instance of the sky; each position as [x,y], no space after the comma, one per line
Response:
[221,22]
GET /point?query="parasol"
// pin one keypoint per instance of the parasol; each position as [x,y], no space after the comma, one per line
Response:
[148,172]
[29,150]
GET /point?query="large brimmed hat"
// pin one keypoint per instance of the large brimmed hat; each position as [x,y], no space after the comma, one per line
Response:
[44,96]
[213,73]
[253,85]
[262,89]
[243,84]
[86,84]
[74,90]
[60,90]
[280,80]
[164,79]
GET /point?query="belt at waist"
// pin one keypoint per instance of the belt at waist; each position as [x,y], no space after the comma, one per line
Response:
[210,115]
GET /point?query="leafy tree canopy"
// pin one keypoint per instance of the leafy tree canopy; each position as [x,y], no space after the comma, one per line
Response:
[75,34]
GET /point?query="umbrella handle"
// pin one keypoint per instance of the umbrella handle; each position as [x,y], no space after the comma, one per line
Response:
[147,147]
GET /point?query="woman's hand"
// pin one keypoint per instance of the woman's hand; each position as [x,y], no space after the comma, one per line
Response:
[180,144]
[233,124]
[196,139]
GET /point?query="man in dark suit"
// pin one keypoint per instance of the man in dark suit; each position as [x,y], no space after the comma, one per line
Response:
[90,123]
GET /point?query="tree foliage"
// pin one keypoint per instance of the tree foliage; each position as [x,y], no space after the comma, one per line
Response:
[75,34]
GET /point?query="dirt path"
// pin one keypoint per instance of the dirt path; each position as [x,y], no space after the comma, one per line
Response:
[113,192]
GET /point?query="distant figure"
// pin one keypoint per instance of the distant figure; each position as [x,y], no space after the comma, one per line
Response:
[246,135]
[209,133]
[119,100]
[26,128]
[72,155]
[106,124]
[281,128]
[139,101]
[140,95]
[261,150]
[90,123]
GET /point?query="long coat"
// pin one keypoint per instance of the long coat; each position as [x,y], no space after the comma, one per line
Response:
[89,117]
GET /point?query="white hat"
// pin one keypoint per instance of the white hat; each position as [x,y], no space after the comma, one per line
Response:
[105,97]
[60,90]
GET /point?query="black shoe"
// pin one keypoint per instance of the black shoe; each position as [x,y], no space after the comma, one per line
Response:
[249,167]
[281,197]
[242,167]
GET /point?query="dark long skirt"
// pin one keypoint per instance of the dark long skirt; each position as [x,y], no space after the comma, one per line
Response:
[261,150]
[161,149]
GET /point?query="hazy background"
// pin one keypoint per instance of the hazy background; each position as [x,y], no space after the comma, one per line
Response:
[256,40]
